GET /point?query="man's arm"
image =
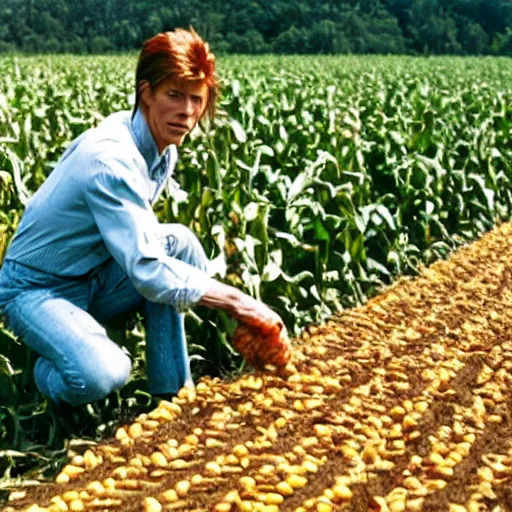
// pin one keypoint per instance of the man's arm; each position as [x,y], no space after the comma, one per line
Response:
[241,306]
[129,229]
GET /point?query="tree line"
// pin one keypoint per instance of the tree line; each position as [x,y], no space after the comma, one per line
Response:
[425,27]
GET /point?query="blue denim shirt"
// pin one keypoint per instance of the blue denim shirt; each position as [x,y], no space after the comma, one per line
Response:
[97,203]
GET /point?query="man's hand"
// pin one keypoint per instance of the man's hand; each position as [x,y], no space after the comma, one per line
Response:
[242,307]
[260,349]
[259,316]
[261,336]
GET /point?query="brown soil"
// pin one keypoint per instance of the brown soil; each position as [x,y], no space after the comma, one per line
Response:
[408,399]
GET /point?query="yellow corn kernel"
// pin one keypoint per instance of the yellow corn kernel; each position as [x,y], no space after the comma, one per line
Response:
[72,471]
[240,450]
[109,483]
[170,496]
[196,479]
[222,507]
[247,482]
[90,460]
[397,506]
[135,430]
[370,454]
[58,505]
[121,433]
[182,488]
[273,498]
[296,481]
[158,459]
[76,506]
[96,488]
[342,492]
[213,468]
[457,508]
[120,473]
[309,466]
[62,478]
[284,489]
[70,496]
[415,505]
[280,422]
[152,505]
[77,460]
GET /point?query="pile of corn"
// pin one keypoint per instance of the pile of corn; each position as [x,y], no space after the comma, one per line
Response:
[401,405]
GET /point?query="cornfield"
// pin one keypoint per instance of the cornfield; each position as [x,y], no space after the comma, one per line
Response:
[323,180]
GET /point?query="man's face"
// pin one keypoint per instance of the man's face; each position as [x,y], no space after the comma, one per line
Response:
[173,109]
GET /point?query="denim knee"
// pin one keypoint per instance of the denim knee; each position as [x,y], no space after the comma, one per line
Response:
[111,376]
[87,387]
[182,243]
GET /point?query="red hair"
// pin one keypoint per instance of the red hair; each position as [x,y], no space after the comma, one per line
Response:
[181,54]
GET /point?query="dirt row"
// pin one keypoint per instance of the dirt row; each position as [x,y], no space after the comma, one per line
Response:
[404,404]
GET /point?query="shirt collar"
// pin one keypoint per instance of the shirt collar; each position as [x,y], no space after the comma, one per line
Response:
[145,142]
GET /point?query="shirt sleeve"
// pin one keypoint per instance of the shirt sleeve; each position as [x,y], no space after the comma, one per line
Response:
[129,229]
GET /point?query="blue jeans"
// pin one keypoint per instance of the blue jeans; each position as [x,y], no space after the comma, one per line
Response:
[62,320]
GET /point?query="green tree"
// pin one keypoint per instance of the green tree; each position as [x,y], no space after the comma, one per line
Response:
[433,31]
[293,40]
[383,33]
[502,44]
[328,37]
[355,28]
[101,44]
[250,42]
[255,26]
[473,38]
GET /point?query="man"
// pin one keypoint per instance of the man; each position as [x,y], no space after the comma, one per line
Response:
[89,247]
